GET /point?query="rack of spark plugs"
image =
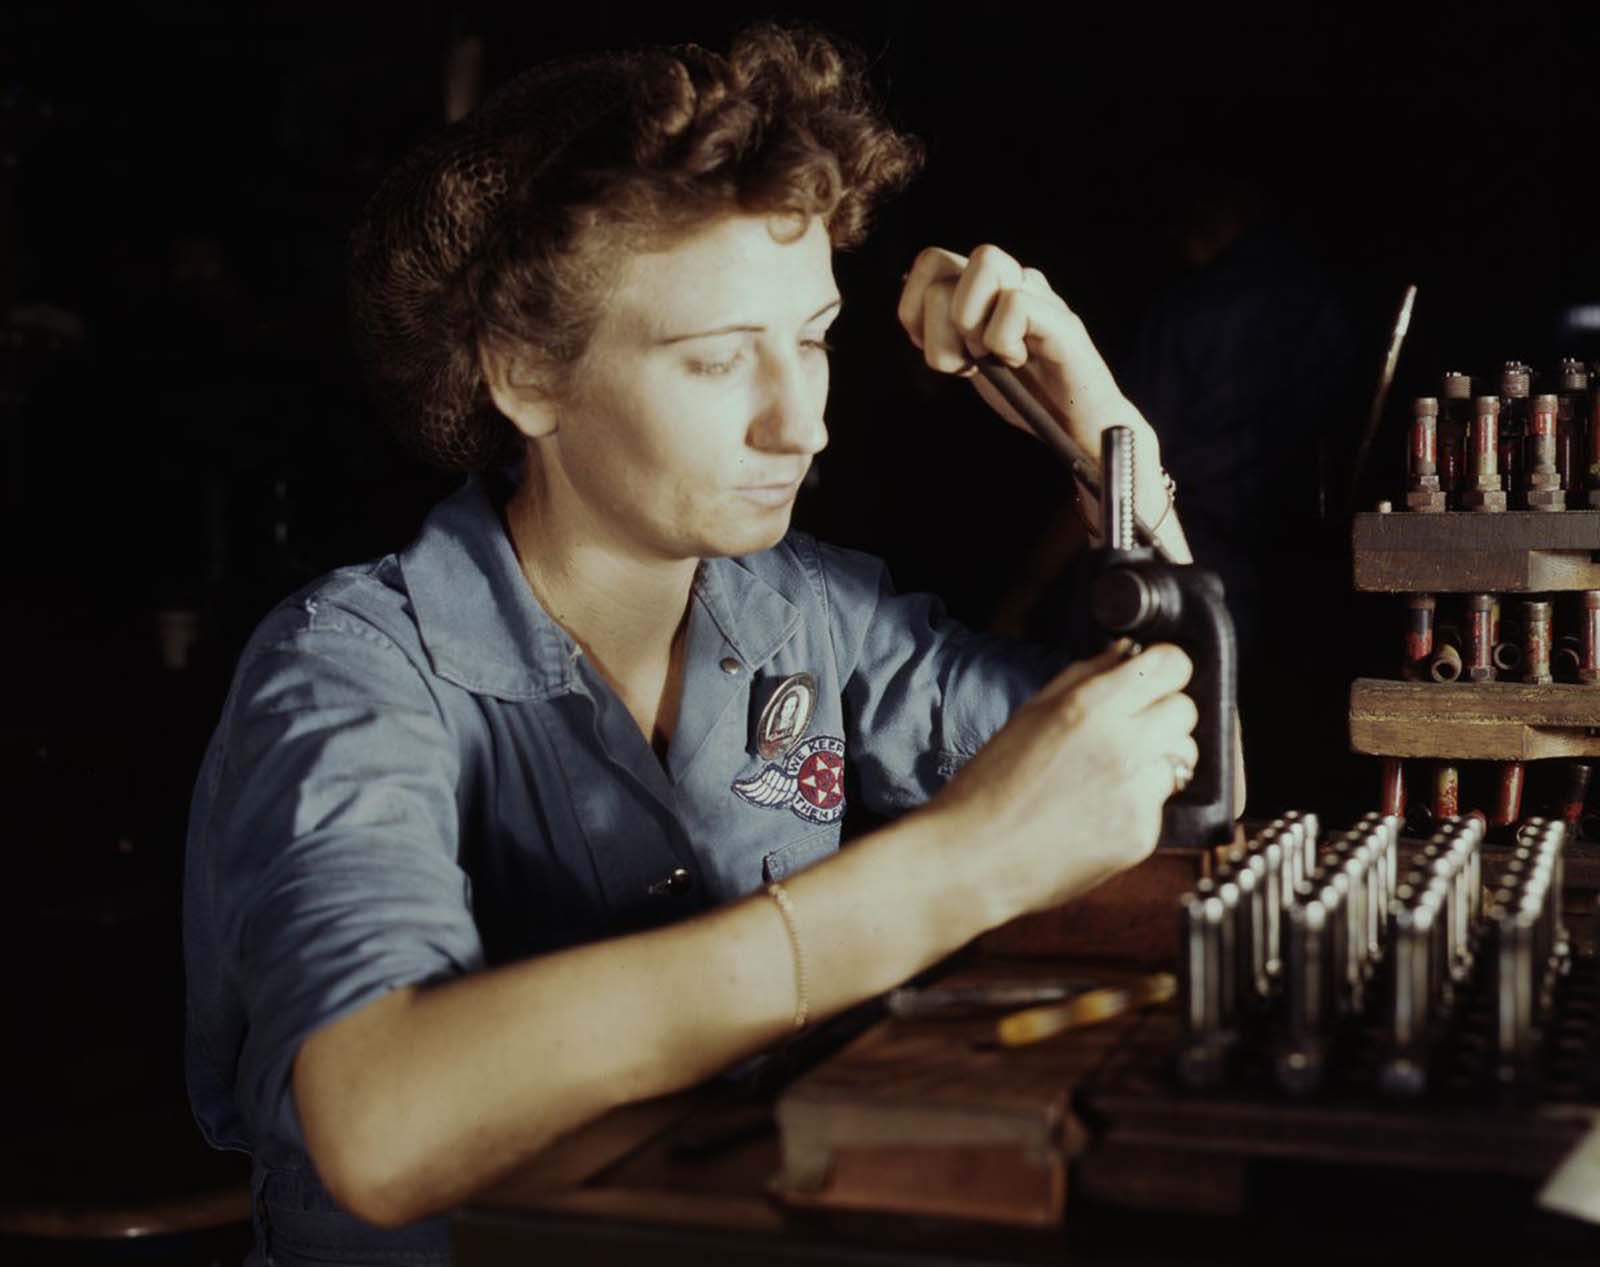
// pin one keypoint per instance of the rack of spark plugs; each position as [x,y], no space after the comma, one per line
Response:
[1496,556]
[1508,450]
[1467,638]
[1352,959]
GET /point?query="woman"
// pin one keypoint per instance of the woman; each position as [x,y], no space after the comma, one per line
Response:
[517,826]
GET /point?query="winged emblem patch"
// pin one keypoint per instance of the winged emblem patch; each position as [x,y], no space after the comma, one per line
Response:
[808,781]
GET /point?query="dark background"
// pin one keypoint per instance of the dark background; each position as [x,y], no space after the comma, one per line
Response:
[182,428]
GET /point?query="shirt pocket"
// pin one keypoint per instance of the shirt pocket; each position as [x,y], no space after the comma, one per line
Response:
[797,855]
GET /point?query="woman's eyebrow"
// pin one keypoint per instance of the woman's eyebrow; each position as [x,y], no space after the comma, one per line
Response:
[745,329]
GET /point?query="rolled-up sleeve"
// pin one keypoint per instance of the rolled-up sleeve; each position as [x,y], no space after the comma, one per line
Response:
[333,846]
[923,692]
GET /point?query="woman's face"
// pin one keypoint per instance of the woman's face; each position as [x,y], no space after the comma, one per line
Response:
[699,405]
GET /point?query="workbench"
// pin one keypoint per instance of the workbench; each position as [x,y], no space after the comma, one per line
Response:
[1150,1173]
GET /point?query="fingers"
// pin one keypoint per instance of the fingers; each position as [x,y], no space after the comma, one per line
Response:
[1013,317]
[1133,686]
[1155,775]
[1081,671]
[989,275]
[957,309]
[942,345]
[1185,751]
[1175,714]
[1159,746]
[1161,773]
[931,267]
[1034,280]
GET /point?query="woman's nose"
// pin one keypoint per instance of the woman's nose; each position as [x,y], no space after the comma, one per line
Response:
[791,420]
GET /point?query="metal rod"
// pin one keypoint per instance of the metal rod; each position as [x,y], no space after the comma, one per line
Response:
[1397,337]
[1116,487]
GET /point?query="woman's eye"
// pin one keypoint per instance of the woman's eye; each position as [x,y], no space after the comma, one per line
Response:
[715,369]
[719,369]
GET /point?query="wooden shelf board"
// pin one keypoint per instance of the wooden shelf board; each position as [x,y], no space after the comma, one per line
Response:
[1464,552]
[1474,721]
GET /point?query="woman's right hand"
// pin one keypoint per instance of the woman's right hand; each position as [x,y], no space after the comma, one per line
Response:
[1070,791]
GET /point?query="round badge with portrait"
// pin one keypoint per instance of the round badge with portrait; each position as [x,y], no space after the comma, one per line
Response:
[784,720]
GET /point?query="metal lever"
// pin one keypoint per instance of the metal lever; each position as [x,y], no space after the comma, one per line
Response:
[1043,424]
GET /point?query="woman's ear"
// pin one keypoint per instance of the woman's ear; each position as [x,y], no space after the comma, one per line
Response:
[518,394]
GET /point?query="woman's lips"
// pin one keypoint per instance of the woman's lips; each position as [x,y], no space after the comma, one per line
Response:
[770,496]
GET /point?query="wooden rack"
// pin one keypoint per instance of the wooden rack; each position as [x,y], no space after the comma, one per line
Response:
[1465,552]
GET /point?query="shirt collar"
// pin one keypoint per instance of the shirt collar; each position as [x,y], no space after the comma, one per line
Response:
[484,630]
[753,617]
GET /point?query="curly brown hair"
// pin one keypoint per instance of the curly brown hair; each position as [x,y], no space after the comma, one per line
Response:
[507,231]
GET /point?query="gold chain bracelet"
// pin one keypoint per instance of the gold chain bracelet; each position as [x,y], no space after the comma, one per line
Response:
[802,1007]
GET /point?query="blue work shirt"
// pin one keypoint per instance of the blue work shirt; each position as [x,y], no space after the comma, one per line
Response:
[418,773]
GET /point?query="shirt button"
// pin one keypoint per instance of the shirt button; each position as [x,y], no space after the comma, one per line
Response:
[730,666]
[677,883]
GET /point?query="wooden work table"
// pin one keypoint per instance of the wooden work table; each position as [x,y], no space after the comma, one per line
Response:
[642,1186]
[688,1180]
[1150,1174]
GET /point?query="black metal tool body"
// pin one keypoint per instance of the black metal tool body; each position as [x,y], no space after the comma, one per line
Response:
[1136,591]
[1134,594]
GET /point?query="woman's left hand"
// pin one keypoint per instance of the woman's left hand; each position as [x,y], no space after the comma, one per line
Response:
[957,309]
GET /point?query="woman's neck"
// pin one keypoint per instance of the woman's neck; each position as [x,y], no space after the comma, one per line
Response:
[628,612]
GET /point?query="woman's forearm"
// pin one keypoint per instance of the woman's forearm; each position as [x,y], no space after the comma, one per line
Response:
[417,1100]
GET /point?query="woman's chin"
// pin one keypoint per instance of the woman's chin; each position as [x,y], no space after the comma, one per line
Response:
[750,536]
